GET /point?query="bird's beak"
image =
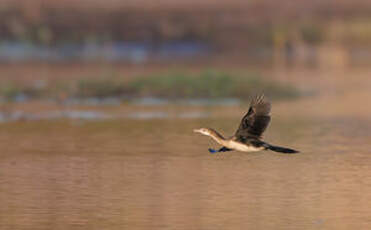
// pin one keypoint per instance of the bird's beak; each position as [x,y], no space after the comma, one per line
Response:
[197,130]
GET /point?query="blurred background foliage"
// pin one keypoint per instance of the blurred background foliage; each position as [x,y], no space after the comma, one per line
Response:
[166,37]
[176,85]
[141,31]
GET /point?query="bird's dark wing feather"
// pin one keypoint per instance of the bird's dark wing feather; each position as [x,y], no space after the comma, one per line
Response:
[256,120]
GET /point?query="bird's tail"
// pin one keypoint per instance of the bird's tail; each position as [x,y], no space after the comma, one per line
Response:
[280,149]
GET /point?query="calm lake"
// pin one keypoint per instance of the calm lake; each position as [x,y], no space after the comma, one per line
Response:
[157,174]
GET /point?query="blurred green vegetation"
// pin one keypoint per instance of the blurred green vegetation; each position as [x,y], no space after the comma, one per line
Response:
[98,88]
[8,91]
[171,85]
[209,84]
[312,33]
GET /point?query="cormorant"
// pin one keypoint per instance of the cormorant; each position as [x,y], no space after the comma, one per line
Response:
[248,137]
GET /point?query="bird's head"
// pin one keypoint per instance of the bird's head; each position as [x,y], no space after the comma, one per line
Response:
[204,131]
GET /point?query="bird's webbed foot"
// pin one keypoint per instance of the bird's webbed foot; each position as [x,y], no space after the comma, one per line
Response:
[212,151]
[222,149]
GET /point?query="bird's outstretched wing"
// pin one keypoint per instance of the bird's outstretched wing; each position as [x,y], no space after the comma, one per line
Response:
[256,120]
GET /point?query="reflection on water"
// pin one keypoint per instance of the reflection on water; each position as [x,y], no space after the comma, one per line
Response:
[94,115]
[155,174]
[190,101]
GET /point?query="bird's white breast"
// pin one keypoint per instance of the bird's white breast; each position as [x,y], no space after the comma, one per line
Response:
[243,147]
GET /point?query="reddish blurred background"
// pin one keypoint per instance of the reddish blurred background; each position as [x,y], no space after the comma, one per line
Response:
[308,33]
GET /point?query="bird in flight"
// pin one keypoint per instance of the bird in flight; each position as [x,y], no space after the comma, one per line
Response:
[248,137]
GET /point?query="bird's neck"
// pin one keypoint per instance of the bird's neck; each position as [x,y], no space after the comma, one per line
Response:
[217,137]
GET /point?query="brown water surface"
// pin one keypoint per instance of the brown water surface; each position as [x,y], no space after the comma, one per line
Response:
[157,174]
